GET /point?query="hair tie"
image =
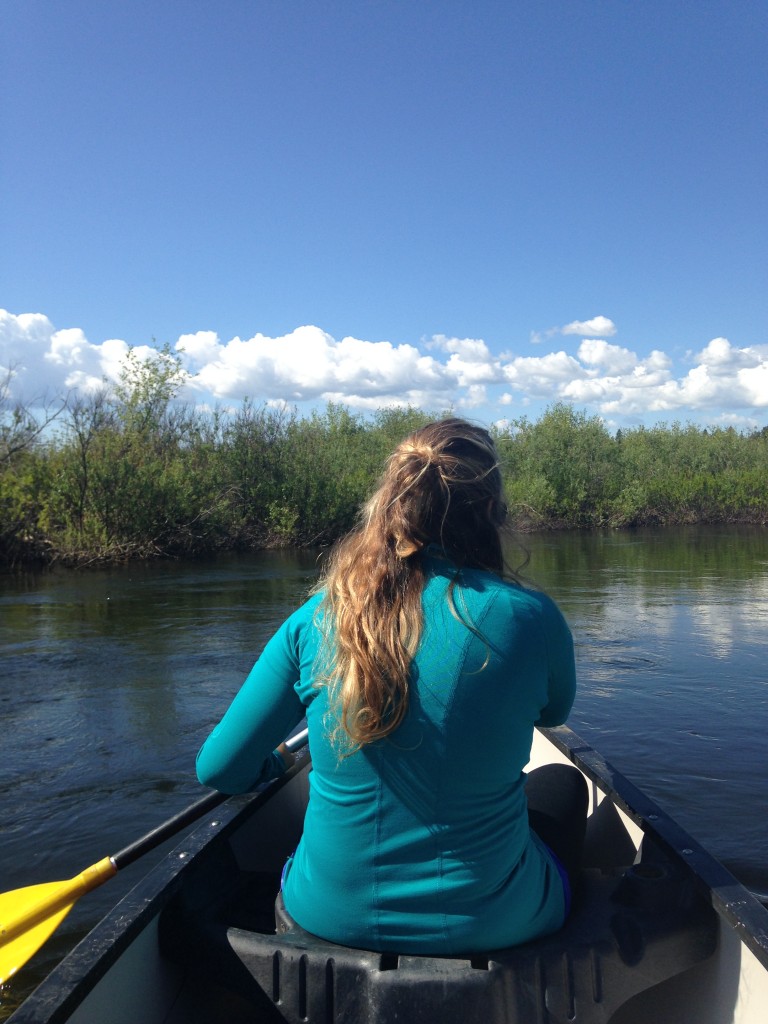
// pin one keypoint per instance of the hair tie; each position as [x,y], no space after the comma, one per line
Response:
[423,451]
[406,548]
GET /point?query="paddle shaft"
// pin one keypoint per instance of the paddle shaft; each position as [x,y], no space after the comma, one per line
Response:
[169,828]
[29,916]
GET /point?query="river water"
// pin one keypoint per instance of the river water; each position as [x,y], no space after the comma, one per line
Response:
[111,679]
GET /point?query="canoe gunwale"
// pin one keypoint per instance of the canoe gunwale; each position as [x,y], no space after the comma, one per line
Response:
[730,899]
[60,994]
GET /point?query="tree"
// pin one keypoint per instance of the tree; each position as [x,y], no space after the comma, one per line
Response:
[20,427]
[146,388]
[22,472]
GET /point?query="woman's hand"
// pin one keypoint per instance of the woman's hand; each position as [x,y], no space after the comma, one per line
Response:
[287,756]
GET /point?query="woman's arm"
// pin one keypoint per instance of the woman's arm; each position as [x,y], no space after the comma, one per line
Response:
[562,666]
[240,753]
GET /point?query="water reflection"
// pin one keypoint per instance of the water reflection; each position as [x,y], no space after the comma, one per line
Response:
[671,633]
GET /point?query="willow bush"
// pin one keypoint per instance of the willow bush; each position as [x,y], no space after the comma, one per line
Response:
[132,473]
[568,470]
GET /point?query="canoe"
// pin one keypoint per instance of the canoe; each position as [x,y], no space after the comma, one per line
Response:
[659,931]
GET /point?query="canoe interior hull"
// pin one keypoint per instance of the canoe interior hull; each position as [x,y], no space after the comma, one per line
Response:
[659,932]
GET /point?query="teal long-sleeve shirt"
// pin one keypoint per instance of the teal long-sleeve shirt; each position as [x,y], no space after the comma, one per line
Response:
[418,842]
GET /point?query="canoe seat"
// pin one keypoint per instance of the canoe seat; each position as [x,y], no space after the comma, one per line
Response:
[628,932]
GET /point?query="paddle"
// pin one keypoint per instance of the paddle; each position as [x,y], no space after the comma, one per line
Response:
[30,915]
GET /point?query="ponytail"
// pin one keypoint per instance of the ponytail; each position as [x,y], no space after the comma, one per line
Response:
[441,486]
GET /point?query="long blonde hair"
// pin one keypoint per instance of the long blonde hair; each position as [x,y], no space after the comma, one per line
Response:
[441,486]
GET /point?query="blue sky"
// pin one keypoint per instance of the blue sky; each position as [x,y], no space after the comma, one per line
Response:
[490,206]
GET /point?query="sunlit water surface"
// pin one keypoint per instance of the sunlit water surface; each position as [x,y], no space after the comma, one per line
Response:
[110,681]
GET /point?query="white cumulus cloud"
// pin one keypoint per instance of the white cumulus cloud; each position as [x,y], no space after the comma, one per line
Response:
[199,348]
[308,364]
[470,360]
[598,325]
[721,382]
[543,376]
[604,356]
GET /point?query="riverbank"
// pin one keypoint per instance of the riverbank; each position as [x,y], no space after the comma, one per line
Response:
[41,556]
[136,479]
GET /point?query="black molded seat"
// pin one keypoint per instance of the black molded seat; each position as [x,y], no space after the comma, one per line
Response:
[627,932]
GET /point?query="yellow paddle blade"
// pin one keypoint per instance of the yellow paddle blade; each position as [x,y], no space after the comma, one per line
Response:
[28,916]
[15,952]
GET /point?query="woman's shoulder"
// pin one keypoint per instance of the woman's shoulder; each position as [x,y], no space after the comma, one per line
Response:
[533,598]
[482,590]
[302,618]
[307,611]
[510,594]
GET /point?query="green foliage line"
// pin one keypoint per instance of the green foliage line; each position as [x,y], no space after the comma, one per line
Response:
[129,473]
